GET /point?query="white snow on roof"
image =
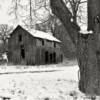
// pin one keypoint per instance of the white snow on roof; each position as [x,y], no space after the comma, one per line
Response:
[43,35]
[40,34]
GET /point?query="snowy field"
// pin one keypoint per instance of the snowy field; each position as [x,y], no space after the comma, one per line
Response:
[52,82]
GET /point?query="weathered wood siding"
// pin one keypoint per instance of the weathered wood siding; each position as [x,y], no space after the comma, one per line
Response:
[34,49]
[14,45]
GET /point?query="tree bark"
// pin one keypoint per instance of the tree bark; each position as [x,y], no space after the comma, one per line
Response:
[93,12]
[61,11]
[88,48]
[89,82]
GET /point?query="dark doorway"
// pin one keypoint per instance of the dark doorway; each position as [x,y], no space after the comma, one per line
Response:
[61,58]
[54,57]
[22,52]
[51,58]
[46,57]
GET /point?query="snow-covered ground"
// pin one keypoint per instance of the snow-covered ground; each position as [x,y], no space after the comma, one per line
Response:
[53,82]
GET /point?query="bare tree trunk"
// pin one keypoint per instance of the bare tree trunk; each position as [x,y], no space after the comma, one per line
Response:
[61,11]
[88,64]
[88,49]
[93,12]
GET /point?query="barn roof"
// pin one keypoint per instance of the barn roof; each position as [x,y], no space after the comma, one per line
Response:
[41,34]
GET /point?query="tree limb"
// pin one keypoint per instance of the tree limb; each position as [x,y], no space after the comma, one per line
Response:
[62,12]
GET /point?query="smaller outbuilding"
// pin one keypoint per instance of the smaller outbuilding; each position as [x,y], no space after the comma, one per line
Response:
[33,47]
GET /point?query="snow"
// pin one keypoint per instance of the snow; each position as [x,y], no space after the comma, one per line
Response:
[36,69]
[43,35]
[86,32]
[40,34]
[46,82]
[71,19]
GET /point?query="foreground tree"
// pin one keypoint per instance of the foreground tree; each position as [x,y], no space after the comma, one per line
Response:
[88,49]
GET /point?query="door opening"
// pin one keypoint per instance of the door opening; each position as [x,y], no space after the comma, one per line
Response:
[22,52]
[46,57]
[54,57]
[51,58]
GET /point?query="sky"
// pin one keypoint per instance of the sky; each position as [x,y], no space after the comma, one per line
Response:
[4,8]
[6,19]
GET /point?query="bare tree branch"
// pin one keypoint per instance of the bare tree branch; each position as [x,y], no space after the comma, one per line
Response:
[62,12]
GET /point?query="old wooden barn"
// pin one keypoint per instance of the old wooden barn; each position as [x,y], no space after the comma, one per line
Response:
[33,48]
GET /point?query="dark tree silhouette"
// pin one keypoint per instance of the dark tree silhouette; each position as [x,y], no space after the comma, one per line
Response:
[5,31]
[87,45]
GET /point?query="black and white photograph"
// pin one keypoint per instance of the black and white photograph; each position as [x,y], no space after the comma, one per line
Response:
[49,49]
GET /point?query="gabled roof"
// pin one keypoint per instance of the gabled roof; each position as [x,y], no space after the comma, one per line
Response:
[41,34]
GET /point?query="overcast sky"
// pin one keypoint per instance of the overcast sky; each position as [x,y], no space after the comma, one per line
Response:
[4,6]
[4,9]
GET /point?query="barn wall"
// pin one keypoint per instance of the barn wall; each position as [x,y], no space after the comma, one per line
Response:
[31,55]
[14,47]
[40,55]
